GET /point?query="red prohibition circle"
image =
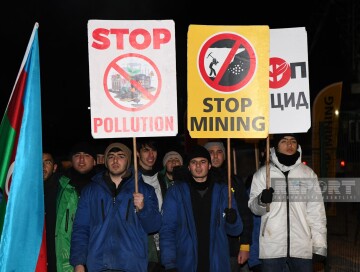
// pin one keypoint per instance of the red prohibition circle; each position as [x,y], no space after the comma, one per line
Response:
[237,41]
[114,65]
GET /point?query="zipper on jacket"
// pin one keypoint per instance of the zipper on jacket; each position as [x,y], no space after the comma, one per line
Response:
[67,220]
[102,209]
[128,209]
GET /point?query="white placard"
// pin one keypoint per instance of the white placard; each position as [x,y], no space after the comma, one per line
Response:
[289,81]
[132,68]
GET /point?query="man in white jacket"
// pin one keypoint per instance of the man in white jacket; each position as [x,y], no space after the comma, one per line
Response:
[293,231]
[147,153]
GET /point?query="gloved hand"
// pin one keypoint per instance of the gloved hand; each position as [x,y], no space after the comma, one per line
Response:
[267,195]
[230,215]
[317,258]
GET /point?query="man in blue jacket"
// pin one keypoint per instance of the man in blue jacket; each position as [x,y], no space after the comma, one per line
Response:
[196,220]
[239,246]
[112,220]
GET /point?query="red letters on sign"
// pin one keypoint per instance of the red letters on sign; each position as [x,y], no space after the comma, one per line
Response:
[138,38]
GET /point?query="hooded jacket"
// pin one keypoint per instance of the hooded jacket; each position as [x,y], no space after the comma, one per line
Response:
[178,239]
[242,198]
[151,177]
[108,233]
[70,186]
[295,226]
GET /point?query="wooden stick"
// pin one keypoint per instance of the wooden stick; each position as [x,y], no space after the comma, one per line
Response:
[135,165]
[268,168]
[234,160]
[256,156]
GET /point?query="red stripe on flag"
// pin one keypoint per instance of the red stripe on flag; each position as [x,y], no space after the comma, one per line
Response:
[16,108]
[41,265]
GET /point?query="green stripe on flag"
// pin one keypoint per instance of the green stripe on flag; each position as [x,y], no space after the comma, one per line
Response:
[7,139]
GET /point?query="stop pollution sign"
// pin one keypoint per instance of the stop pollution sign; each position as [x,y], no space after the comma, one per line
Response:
[132,83]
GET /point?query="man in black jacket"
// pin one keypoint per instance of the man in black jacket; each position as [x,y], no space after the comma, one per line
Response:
[51,174]
[239,246]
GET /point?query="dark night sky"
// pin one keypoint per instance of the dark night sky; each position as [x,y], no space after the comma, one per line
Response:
[64,56]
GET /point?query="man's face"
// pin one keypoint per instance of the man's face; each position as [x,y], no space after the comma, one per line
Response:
[217,156]
[171,163]
[100,158]
[288,145]
[117,163]
[147,157]
[83,162]
[49,166]
[199,168]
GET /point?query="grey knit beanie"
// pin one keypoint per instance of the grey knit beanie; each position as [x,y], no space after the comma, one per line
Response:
[208,145]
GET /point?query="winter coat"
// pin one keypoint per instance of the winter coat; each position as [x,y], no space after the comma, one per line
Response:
[51,187]
[242,198]
[70,186]
[178,239]
[151,178]
[67,201]
[292,225]
[164,181]
[108,232]
[254,247]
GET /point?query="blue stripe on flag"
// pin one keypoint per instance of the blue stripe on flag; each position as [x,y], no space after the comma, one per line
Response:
[24,219]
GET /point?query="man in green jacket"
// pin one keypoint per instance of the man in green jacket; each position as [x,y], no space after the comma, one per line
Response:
[83,159]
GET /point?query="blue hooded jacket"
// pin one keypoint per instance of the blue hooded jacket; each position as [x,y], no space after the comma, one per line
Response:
[108,233]
[178,239]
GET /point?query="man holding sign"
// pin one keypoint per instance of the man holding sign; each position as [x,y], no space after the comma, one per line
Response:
[113,220]
[196,219]
[294,231]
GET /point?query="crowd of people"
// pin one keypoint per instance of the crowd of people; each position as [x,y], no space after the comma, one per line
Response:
[180,210]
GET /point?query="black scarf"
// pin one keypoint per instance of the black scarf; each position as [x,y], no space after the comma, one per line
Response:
[79,180]
[287,160]
[145,172]
[112,186]
[200,186]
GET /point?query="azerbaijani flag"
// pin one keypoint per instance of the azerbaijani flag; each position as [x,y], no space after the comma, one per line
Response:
[21,178]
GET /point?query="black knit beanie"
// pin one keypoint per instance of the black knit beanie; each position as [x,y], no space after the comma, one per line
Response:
[85,147]
[198,151]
